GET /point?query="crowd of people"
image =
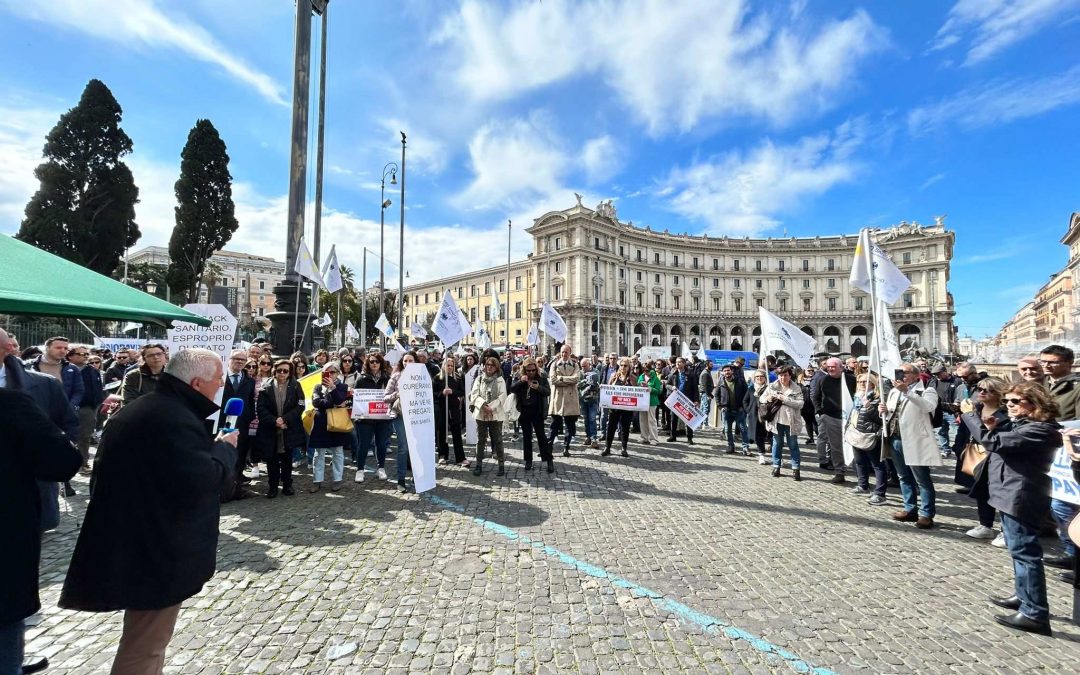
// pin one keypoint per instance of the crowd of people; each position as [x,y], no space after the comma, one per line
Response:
[897,428]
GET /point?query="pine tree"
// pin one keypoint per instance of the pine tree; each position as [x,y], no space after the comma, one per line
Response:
[205,214]
[84,210]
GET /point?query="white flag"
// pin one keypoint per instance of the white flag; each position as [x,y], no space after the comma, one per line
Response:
[552,324]
[781,335]
[418,331]
[888,355]
[450,324]
[384,327]
[394,354]
[324,321]
[483,340]
[350,331]
[496,308]
[848,409]
[331,273]
[305,264]
[130,326]
[533,337]
[687,355]
[870,261]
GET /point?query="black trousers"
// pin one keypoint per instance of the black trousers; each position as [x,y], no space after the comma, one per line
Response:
[441,424]
[763,439]
[279,468]
[533,425]
[615,418]
[810,421]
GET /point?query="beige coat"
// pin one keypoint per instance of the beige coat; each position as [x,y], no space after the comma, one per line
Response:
[790,413]
[564,377]
[477,399]
[916,430]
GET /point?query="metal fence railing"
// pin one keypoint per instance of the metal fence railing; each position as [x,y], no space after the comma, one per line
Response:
[35,331]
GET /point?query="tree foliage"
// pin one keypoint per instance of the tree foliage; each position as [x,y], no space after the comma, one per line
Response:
[205,213]
[84,209]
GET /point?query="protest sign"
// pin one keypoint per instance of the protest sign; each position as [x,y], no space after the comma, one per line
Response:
[470,419]
[418,413]
[1062,484]
[685,409]
[116,344]
[368,404]
[619,397]
[217,337]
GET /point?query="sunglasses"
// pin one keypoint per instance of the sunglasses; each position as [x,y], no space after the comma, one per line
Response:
[251,366]
[266,363]
[1016,401]
[373,362]
[983,390]
[95,360]
[283,371]
[346,360]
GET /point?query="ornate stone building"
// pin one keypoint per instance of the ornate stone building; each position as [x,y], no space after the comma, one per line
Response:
[653,288]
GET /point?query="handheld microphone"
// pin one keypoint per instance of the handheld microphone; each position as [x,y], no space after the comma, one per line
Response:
[234,407]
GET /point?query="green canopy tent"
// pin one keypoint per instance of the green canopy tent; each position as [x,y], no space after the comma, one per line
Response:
[36,283]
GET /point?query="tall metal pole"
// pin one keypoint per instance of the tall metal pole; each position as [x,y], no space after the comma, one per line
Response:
[382,252]
[319,154]
[509,228]
[363,303]
[401,250]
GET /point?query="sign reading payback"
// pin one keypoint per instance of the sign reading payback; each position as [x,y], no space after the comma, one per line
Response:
[1063,485]
[368,404]
[619,397]
[685,409]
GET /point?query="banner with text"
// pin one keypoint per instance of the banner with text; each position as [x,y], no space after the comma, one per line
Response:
[1063,485]
[116,344]
[368,404]
[418,413]
[685,409]
[217,337]
[618,397]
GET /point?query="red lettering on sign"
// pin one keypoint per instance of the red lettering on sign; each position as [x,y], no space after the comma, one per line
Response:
[624,400]
[378,408]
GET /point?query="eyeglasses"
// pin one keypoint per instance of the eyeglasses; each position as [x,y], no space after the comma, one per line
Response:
[346,360]
[984,390]
[266,363]
[282,371]
[250,366]
[1028,368]
[1052,363]
[78,354]
[373,362]
[1016,401]
[92,361]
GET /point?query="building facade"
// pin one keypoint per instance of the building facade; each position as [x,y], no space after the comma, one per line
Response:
[245,285]
[621,287]
[1053,309]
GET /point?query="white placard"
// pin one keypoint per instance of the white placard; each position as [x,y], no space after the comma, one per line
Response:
[116,344]
[685,409]
[418,412]
[1063,486]
[217,337]
[368,404]
[470,419]
[619,397]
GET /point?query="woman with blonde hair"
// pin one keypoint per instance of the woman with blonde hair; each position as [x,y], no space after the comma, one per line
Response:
[863,432]
[487,399]
[624,378]
[988,394]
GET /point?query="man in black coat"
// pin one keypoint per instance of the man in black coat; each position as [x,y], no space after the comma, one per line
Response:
[683,380]
[729,395]
[238,384]
[34,449]
[149,540]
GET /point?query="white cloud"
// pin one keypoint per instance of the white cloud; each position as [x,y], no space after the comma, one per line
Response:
[995,25]
[424,152]
[140,23]
[685,62]
[931,180]
[997,102]
[602,158]
[742,194]
[22,136]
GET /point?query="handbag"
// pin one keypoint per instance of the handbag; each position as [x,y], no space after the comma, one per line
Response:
[771,409]
[859,439]
[338,420]
[308,419]
[511,409]
[971,457]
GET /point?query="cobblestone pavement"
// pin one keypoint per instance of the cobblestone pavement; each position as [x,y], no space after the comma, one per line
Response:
[678,559]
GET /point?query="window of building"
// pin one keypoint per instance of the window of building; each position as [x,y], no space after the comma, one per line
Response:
[783,304]
[502,288]
[858,303]
[243,283]
[557,292]
[436,296]
[675,302]
[460,292]
[832,304]
[831,264]
[487,312]
[697,304]
[639,255]
[757,265]
[622,253]
[416,299]
[596,243]
[783,284]
[716,304]
[517,310]
[517,332]
[517,283]
[738,304]
[596,266]
[757,283]
[262,285]
[909,300]
[736,283]
[805,265]
[425,298]
[907,257]
[695,262]
[780,265]
[675,261]
[224,281]
[656,300]
[260,311]
[472,314]
[830,283]
[639,276]
[622,297]
[716,283]
[472,290]
[640,299]
[716,263]
[558,268]
[675,280]
[806,304]
[735,265]
[760,302]
[806,283]
[656,258]
[656,278]
[487,289]
[697,282]
[558,243]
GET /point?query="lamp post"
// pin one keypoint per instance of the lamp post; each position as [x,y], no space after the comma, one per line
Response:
[401,249]
[391,169]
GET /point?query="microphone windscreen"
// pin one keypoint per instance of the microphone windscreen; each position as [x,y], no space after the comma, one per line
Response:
[234,406]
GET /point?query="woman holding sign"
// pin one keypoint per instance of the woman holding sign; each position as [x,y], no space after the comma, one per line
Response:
[448,388]
[487,400]
[373,376]
[393,397]
[620,378]
[650,379]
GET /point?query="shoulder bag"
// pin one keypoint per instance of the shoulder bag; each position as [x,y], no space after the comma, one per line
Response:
[971,457]
[338,420]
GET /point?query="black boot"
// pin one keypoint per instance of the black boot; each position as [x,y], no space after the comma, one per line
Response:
[68,490]
[776,471]
[501,471]
[477,469]
[624,452]
[795,474]
[551,466]
[606,452]
[528,465]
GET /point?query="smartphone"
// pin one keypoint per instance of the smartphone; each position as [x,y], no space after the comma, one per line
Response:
[898,374]
[1073,443]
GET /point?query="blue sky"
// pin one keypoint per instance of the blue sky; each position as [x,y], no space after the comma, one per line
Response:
[720,117]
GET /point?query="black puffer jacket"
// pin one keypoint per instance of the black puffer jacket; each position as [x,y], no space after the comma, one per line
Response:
[869,419]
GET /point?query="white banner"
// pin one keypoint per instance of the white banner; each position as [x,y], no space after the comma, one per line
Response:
[394,354]
[384,327]
[368,404]
[418,412]
[1062,484]
[781,335]
[470,420]
[888,358]
[217,337]
[115,344]
[619,397]
[870,262]
[685,409]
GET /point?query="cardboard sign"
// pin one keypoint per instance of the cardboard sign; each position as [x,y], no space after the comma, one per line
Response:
[1063,486]
[619,397]
[685,409]
[368,404]
[418,413]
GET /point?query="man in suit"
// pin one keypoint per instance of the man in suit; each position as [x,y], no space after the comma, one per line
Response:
[238,384]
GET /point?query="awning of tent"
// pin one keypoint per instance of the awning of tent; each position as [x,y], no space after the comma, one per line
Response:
[36,283]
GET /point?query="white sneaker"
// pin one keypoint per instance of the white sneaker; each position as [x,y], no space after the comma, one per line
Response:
[999,541]
[359,476]
[980,532]
[763,460]
[381,473]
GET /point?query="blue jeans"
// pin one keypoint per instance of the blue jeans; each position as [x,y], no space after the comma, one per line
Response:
[1064,512]
[588,411]
[943,432]
[11,647]
[1027,553]
[914,479]
[706,404]
[867,462]
[736,417]
[783,433]
[368,431]
[402,447]
[337,464]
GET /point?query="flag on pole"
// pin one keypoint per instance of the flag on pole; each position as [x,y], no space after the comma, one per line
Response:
[886,342]
[872,262]
[483,340]
[781,335]
[350,331]
[418,331]
[552,324]
[496,307]
[450,324]
[687,355]
[384,327]
[533,337]
[130,326]
[324,321]
[305,264]
[394,354]
[331,273]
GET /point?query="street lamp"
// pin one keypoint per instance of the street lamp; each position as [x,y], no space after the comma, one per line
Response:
[151,287]
[401,245]
[392,170]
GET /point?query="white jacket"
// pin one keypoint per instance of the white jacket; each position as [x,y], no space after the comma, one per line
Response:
[790,413]
[916,406]
[476,400]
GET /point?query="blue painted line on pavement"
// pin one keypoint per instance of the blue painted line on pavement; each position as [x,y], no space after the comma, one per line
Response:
[688,614]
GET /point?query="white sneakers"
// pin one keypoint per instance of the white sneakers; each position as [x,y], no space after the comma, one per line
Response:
[381,473]
[999,541]
[981,532]
[763,460]
[359,475]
